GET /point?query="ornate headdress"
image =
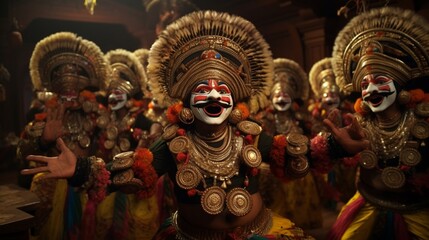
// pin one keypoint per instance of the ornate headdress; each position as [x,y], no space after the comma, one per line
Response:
[143,56]
[64,61]
[289,76]
[322,77]
[390,39]
[208,44]
[127,72]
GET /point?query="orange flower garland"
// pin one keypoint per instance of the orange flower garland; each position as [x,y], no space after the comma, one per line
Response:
[144,171]
[173,112]
[277,155]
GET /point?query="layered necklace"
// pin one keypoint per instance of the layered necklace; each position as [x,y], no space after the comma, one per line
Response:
[218,163]
[389,150]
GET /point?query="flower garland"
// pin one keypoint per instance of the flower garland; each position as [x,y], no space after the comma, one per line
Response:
[88,96]
[144,171]
[320,154]
[173,112]
[277,156]
[96,187]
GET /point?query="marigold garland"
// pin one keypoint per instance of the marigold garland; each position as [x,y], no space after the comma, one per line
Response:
[88,95]
[277,155]
[244,110]
[358,107]
[99,179]
[173,112]
[320,154]
[144,171]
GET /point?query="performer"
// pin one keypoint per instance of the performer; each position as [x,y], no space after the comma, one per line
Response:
[297,199]
[214,63]
[72,69]
[383,54]
[157,112]
[125,128]
[337,186]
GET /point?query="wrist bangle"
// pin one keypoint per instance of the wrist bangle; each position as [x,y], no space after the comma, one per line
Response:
[81,173]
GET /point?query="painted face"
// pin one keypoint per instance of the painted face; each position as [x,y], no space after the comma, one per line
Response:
[117,100]
[211,101]
[330,100]
[70,99]
[378,91]
[281,101]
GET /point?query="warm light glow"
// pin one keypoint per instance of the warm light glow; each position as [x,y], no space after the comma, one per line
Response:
[90,5]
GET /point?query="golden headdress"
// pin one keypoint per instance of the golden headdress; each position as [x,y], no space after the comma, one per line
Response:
[322,77]
[64,61]
[289,76]
[390,39]
[208,44]
[127,72]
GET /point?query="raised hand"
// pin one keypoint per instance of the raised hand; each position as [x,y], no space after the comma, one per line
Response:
[54,124]
[61,166]
[351,138]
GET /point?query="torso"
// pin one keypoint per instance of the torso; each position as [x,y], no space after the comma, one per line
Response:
[197,217]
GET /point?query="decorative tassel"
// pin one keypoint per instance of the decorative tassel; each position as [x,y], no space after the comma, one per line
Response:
[73,215]
[121,217]
[346,217]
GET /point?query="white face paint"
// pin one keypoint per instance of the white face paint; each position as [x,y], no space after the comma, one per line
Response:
[281,101]
[378,91]
[330,100]
[117,100]
[211,101]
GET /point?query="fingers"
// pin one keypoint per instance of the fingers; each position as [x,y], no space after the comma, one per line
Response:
[60,112]
[32,171]
[38,158]
[49,114]
[61,145]
[331,126]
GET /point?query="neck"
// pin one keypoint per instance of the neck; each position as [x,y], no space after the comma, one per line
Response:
[120,113]
[390,117]
[210,131]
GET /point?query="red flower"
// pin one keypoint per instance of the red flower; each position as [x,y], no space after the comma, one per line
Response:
[181,157]
[192,192]
[181,132]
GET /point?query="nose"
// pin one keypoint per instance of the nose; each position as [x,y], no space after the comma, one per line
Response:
[214,95]
[372,88]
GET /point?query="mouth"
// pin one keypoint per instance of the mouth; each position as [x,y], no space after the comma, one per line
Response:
[330,102]
[213,109]
[375,99]
[282,104]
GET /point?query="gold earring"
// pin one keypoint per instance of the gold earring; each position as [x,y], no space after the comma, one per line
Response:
[235,116]
[186,116]
[404,97]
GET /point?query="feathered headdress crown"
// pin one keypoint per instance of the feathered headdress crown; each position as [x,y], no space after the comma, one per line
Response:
[127,72]
[64,61]
[322,77]
[289,76]
[386,39]
[208,44]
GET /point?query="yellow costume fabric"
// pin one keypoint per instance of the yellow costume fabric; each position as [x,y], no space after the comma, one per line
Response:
[361,227]
[142,217]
